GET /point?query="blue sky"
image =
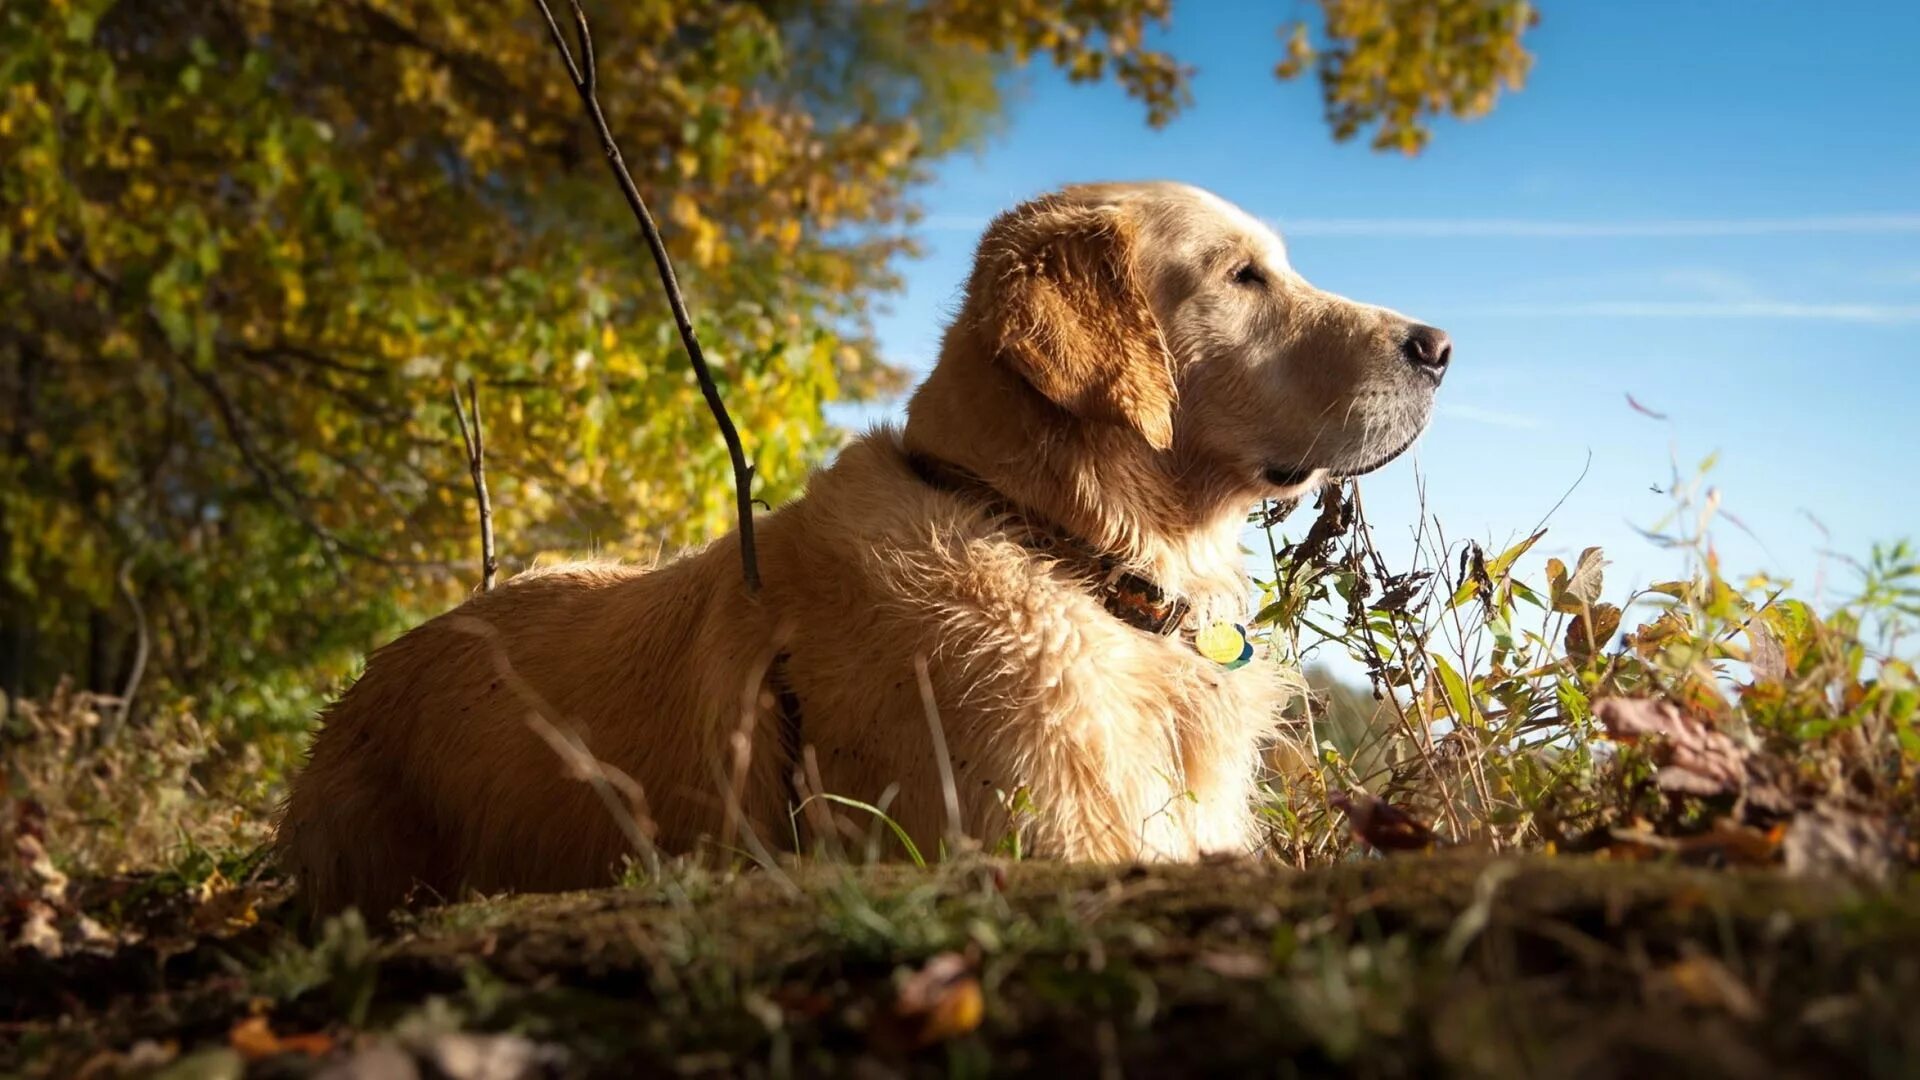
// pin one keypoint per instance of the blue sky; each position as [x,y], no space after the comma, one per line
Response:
[1712,206]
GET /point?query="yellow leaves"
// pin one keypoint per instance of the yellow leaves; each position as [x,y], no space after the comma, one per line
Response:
[704,241]
[253,1038]
[423,80]
[1393,64]
[683,211]
[293,293]
[1299,53]
[480,142]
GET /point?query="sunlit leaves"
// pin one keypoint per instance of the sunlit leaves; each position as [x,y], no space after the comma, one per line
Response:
[1394,65]
[249,245]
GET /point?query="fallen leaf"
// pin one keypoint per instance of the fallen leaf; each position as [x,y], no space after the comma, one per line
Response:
[229,910]
[941,1000]
[373,1059]
[38,932]
[254,1040]
[1236,965]
[1381,825]
[462,1055]
[1694,759]
[1827,840]
[1702,980]
[50,882]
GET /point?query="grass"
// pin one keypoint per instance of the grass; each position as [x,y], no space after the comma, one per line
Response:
[1461,963]
[1739,773]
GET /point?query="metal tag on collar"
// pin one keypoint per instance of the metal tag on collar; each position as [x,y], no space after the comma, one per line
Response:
[1225,644]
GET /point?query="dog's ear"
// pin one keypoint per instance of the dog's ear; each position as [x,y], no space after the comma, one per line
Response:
[1060,301]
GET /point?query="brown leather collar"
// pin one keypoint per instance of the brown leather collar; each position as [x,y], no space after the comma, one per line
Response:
[1134,600]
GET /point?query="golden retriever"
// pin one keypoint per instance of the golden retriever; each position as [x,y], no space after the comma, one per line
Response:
[1134,366]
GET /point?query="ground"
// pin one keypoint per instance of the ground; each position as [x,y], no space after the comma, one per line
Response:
[1414,965]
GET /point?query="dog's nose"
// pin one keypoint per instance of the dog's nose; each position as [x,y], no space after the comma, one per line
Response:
[1429,349]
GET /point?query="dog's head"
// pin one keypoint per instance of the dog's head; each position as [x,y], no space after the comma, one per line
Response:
[1163,310]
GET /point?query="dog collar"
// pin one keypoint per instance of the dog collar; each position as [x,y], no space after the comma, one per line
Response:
[1135,600]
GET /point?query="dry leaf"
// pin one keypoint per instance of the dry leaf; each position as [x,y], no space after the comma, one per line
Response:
[1589,631]
[1574,592]
[229,910]
[1236,965]
[460,1055]
[373,1059]
[38,932]
[941,1000]
[1381,825]
[1694,759]
[1702,980]
[1765,654]
[1831,840]
[254,1040]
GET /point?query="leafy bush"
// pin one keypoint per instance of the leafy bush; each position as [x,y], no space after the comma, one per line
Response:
[1513,714]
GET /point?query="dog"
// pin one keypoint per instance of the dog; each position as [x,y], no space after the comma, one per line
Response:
[994,615]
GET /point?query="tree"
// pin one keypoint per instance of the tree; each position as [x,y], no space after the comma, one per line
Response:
[249,245]
[1396,64]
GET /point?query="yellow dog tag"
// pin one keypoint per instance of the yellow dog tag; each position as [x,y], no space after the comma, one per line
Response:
[1225,644]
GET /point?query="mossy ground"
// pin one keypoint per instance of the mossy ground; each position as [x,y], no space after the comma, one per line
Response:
[1455,964]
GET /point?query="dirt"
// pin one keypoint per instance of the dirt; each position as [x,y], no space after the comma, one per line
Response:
[1458,964]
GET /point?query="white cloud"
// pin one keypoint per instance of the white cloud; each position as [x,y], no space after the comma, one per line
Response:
[1535,229]
[1491,417]
[1683,309]
[1519,228]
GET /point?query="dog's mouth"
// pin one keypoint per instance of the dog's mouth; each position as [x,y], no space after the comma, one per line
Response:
[1280,477]
[1284,476]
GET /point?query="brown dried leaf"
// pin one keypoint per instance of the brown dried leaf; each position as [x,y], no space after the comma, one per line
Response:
[1589,631]
[941,1000]
[38,932]
[1828,840]
[1694,759]
[465,1055]
[1702,980]
[1236,965]
[1381,825]
[1765,655]
[254,1040]
[1575,592]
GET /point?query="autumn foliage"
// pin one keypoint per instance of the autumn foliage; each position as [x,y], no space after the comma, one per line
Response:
[250,245]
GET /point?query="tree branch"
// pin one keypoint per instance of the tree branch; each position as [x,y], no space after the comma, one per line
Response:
[474,439]
[585,82]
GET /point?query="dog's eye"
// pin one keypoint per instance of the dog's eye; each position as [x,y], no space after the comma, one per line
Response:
[1249,274]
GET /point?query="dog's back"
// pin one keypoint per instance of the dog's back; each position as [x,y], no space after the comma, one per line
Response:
[448,766]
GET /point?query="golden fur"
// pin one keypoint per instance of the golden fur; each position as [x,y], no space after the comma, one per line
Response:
[1118,370]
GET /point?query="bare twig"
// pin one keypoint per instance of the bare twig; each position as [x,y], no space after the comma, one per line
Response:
[474,439]
[1420,733]
[142,645]
[142,642]
[622,795]
[585,82]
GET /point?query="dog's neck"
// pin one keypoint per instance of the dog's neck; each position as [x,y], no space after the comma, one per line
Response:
[1101,482]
